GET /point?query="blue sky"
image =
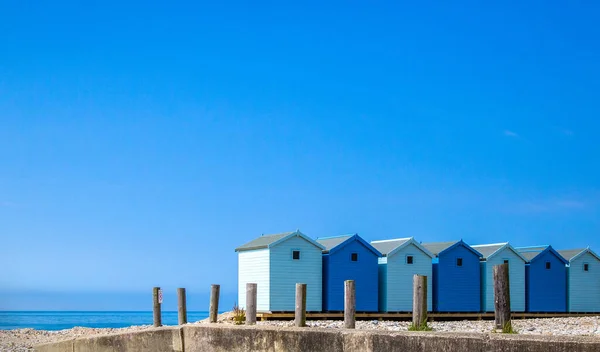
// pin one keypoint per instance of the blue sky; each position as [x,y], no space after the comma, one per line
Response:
[141,143]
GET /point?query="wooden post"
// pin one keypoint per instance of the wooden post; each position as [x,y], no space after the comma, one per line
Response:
[250,304]
[156,308]
[300,305]
[349,304]
[181,306]
[214,303]
[502,297]
[419,318]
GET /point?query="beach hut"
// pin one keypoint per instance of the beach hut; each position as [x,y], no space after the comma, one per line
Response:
[349,257]
[276,263]
[456,277]
[545,280]
[583,280]
[496,254]
[402,259]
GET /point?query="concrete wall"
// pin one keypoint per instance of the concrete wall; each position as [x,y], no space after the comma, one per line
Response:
[152,340]
[221,338]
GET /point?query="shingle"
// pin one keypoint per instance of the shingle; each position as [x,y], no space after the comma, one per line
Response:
[262,242]
[386,246]
[529,255]
[568,254]
[437,247]
[488,249]
[331,242]
[531,252]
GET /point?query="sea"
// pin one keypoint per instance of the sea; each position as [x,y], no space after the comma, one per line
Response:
[10,320]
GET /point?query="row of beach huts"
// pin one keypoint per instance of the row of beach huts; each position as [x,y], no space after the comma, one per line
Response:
[542,279]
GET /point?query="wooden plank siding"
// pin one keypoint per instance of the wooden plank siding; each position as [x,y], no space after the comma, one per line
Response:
[397,278]
[253,266]
[285,272]
[382,284]
[516,279]
[458,288]
[584,286]
[338,267]
[546,288]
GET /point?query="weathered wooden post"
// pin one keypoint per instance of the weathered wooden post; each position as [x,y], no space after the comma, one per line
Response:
[502,297]
[250,304]
[181,306]
[349,304]
[300,305]
[157,298]
[419,301]
[214,303]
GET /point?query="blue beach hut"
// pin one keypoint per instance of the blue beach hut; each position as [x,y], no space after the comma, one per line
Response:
[276,263]
[456,277]
[545,280]
[402,258]
[583,280]
[496,254]
[349,257]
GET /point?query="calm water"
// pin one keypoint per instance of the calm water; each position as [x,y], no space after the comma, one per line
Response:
[67,320]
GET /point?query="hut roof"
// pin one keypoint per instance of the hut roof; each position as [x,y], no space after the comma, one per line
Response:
[267,241]
[335,243]
[530,253]
[571,254]
[438,247]
[489,250]
[389,247]
[332,242]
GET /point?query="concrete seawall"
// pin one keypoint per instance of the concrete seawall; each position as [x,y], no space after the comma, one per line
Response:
[222,338]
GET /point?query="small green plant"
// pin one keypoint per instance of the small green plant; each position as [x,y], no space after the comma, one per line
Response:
[422,327]
[508,328]
[239,315]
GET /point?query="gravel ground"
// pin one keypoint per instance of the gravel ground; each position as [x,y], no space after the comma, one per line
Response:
[24,339]
[588,326]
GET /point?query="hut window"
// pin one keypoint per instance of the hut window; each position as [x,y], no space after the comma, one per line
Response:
[586,267]
[548,265]
[459,261]
[410,259]
[505,261]
[296,255]
[354,257]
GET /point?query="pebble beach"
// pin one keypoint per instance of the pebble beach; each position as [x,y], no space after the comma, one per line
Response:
[24,339]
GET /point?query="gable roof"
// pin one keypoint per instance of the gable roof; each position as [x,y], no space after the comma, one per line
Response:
[569,254]
[387,246]
[531,253]
[332,242]
[572,254]
[439,247]
[489,250]
[390,247]
[336,243]
[268,241]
